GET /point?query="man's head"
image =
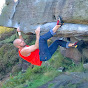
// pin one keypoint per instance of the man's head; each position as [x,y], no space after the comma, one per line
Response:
[19,43]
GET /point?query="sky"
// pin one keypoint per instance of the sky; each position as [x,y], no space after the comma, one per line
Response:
[2,4]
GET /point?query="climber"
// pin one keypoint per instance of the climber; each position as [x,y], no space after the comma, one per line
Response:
[40,51]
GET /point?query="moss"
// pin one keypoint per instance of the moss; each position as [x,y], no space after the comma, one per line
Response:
[6,33]
[5,30]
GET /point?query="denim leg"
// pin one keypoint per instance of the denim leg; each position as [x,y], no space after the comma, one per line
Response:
[44,52]
[53,47]
[46,36]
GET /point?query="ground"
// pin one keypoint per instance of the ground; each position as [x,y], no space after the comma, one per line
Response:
[69,80]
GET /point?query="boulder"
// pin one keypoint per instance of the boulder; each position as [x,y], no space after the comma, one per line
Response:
[85,52]
[71,53]
[29,14]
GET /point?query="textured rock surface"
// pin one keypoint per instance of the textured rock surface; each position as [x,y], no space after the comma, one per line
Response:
[69,80]
[72,53]
[29,14]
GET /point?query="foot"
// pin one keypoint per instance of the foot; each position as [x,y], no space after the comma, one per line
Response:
[59,21]
[80,44]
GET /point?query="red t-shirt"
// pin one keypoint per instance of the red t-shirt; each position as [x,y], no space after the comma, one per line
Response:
[33,58]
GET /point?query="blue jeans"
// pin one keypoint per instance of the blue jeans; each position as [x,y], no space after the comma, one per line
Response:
[46,52]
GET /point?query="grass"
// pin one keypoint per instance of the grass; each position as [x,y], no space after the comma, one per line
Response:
[31,78]
[76,68]
[51,85]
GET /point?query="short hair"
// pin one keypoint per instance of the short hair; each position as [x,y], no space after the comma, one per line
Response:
[15,42]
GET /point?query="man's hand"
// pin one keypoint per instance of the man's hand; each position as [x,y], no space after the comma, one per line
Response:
[19,33]
[18,29]
[37,31]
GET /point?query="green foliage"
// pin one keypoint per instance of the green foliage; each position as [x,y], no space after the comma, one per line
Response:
[33,77]
[10,39]
[8,57]
[5,30]
[57,59]
[8,53]
[51,85]
[76,68]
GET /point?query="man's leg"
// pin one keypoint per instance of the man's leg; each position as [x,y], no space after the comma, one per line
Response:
[53,47]
[53,31]
[43,47]
[50,34]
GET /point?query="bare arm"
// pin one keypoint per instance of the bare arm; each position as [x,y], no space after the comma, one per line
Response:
[27,50]
[37,31]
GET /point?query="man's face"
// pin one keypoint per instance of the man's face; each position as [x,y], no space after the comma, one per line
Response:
[21,43]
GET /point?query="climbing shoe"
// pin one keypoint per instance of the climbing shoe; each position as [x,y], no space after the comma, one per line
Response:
[80,45]
[59,21]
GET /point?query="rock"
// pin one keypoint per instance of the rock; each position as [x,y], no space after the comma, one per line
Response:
[71,53]
[71,80]
[85,52]
[16,68]
[61,69]
[69,30]
[30,14]
[25,65]
[25,86]
[85,66]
